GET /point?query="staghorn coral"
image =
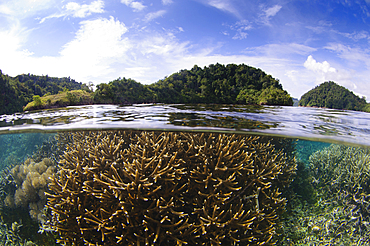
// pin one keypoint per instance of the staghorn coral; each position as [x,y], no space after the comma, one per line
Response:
[28,185]
[340,176]
[167,188]
[343,174]
[9,235]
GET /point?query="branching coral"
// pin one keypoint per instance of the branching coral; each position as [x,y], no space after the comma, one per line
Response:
[343,169]
[341,176]
[239,176]
[166,188]
[30,182]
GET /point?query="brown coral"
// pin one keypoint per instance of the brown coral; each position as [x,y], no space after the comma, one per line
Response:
[30,181]
[166,188]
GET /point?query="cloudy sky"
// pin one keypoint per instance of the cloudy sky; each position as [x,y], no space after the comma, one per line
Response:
[300,42]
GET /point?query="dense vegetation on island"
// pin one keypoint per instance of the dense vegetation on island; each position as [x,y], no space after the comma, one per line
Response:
[16,92]
[122,91]
[62,99]
[332,95]
[218,84]
[231,84]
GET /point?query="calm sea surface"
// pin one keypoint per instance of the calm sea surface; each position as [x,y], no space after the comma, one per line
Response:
[298,122]
[321,158]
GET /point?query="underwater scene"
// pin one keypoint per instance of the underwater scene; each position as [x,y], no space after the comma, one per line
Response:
[185,175]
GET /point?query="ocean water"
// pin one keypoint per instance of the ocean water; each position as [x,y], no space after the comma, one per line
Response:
[185,175]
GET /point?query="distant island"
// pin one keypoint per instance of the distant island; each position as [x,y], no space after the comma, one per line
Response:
[331,95]
[216,83]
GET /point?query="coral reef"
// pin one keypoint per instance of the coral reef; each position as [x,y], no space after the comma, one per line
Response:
[342,175]
[167,188]
[27,185]
[340,215]
[10,236]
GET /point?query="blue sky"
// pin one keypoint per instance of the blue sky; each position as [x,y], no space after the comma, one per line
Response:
[301,43]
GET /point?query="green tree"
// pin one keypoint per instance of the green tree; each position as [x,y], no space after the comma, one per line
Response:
[122,91]
[275,96]
[37,100]
[8,96]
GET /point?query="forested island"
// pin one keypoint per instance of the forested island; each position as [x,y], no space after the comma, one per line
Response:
[220,84]
[331,95]
[16,92]
[216,83]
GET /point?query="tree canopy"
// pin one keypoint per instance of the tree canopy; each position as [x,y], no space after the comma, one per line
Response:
[9,102]
[331,95]
[220,84]
[122,91]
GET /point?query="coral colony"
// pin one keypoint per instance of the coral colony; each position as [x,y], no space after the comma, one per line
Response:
[165,188]
[31,179]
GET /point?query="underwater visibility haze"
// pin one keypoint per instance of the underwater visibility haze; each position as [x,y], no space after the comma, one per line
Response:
[185,175]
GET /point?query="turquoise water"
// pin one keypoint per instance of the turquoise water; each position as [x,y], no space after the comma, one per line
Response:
[322,156]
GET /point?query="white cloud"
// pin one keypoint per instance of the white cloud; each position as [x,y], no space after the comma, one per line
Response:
[290,48]
[84,10]
[223,5]
[165,46]
[5,10]
[137,6]
[315,66]
[270,12]
[99,38]
[76,10]
[101,51]
[354,57]
[90,56]
[21,9]
[12,53]
[97,44]
[281,50]
[167,2]
[266,14]
[154,15]
[241,28]
[356,36]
